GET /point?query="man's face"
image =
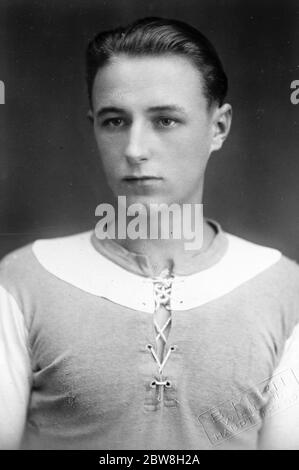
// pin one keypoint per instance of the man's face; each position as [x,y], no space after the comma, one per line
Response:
[153,128]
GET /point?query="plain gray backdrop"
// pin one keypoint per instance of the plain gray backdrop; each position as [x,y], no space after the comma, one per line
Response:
[51,179]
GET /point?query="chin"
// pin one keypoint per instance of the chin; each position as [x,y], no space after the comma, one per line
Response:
[147,201]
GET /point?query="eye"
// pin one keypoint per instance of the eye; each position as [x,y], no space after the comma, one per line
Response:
[167,122]
[113,122]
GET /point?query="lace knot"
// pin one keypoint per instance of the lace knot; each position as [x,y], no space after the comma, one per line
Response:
[162,291]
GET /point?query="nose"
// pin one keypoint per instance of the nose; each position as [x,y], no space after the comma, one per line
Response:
[137,149]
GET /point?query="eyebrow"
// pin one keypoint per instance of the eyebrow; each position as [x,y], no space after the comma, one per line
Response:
[163,108]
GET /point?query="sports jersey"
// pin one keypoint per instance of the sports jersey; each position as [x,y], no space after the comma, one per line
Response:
[97,352]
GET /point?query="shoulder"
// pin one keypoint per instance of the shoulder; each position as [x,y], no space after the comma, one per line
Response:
[30,261]
[68,249]
[14,264]
[259,259]
[268,277]
[71,265]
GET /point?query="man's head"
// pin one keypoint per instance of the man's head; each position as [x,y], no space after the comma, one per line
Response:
[156,91]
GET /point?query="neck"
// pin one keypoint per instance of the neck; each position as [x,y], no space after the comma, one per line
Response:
[167,253]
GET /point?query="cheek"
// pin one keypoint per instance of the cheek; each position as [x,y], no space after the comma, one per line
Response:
[192,152]
[188,159]
[109,150]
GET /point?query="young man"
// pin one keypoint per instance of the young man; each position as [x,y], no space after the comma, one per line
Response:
[139,343]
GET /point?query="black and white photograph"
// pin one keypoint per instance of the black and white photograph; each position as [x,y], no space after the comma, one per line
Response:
[149,227]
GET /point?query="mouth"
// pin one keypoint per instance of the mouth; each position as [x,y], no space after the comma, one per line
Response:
[142,179]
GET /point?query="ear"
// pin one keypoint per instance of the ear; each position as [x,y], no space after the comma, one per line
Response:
[89,116]
[221,119]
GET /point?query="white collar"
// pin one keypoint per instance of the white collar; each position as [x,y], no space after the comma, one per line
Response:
[74,260]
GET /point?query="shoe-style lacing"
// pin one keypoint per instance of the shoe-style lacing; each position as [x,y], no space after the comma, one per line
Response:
[162,294]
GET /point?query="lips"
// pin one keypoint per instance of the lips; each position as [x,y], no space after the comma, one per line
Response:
[140,178]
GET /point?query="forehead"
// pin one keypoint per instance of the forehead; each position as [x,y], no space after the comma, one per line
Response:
[148,81]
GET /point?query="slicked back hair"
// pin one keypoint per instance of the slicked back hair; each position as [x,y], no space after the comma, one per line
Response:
[153,36]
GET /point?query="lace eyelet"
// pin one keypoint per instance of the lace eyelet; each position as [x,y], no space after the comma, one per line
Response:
[148,346]
[173,348]
[153,384]
[168,384]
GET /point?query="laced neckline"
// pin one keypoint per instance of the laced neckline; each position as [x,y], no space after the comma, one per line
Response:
[139,264]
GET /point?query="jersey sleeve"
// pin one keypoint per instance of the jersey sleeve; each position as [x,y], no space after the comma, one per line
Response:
[15,372]
[281,423]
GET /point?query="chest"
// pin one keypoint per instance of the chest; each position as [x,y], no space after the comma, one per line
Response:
[205,354]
